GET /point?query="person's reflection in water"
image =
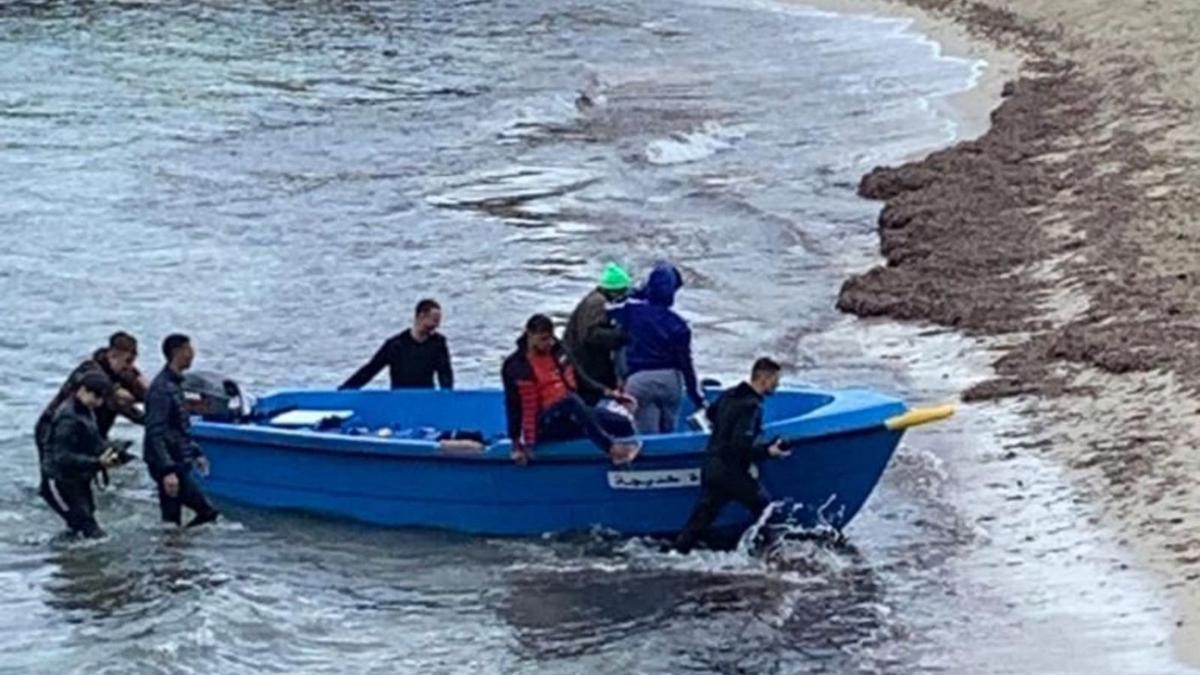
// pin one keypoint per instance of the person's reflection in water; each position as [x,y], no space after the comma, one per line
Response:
[815,598]
[117,576]
[570,613]
[96,578]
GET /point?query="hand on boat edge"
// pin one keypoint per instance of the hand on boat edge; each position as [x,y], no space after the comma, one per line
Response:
[777,451]
[520,455]
[624,453]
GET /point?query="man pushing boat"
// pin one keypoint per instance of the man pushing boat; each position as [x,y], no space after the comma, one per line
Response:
[734,446]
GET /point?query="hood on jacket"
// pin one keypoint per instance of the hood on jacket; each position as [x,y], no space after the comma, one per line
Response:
[660,289]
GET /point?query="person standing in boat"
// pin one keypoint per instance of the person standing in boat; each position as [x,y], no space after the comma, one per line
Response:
[171,454]
[658,360]
[734,446]
[591,338]
[412,357]
[542,400]
[74,452]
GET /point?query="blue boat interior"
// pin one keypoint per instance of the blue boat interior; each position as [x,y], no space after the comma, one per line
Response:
[408,412]
[481,410]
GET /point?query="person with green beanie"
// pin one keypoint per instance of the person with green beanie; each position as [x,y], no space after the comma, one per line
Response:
[591,338]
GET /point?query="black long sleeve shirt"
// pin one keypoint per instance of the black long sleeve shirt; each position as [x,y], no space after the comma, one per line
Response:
[737,425]
[168,446]
[74,446]
[410,364]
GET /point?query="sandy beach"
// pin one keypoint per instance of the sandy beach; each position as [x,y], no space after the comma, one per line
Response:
[1065,238]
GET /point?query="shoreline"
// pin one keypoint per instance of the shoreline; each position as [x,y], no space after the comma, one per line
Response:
[971,108]
[1055,231]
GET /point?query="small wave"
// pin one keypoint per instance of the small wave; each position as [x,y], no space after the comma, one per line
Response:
[555,116]
[771,548]
[693,146]
[513,186]
[666,28]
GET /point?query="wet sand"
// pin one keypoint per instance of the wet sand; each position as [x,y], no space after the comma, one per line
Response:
[1066,239]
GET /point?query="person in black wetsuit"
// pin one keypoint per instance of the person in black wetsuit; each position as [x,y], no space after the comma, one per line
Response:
[116,362]
[171,454]
[74,453]
[412,357]
[734,445]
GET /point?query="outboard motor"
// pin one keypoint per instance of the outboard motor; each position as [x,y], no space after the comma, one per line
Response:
[215,398]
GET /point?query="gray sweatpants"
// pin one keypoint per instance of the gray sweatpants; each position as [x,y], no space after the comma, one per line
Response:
[659,394]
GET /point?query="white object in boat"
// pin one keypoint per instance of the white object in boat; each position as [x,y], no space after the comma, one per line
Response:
[307,418]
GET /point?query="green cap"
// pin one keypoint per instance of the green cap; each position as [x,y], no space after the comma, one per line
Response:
[614,278]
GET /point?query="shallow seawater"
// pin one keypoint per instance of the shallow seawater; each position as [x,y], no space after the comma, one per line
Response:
[283,180]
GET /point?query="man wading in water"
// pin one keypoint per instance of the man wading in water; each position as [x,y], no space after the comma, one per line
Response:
[74,453]
[170,451]
[116,362]
[734,446]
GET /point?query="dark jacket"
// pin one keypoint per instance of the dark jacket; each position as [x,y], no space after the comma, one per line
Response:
[521,405]
[410,364]
[168,446]
[591,339]
[737,425]
[106,415]
[74,444]
[659,339]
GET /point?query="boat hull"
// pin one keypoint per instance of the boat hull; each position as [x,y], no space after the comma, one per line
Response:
[827,479]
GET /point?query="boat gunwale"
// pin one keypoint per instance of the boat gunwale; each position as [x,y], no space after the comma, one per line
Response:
[849,412]
[492,454]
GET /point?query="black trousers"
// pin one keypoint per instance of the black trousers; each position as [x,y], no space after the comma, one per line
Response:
[720,485]
[572,418]
[72,500]
[190,495]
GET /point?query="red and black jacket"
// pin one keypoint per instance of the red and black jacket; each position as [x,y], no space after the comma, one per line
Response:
[521,404]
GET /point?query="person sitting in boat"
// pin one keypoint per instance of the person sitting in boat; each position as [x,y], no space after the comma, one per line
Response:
[412,357]
[543,401]
[591,338]
[657,363]
[733,447]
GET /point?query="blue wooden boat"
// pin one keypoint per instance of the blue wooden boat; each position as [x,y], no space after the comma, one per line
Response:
[843,439]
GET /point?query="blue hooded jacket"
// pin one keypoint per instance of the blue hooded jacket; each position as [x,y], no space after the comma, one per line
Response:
[659,339]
